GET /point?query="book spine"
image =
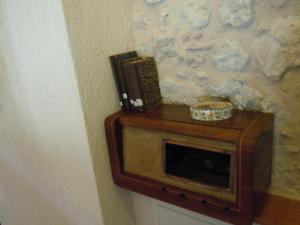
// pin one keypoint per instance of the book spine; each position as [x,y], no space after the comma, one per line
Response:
[133,85]
[149,83]
[116,64]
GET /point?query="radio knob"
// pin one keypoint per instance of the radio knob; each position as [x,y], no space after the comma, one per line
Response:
[208,164]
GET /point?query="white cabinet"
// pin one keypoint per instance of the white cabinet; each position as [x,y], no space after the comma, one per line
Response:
[153,212]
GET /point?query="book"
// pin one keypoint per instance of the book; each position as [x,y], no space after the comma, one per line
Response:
[116,61]
[141,79]
[129,106]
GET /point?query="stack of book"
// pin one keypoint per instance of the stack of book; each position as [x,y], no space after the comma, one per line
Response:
[137,81]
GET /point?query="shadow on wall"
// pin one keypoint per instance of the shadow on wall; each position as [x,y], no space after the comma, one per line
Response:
[96,30]
[33,208]
[46,173]
[20,202]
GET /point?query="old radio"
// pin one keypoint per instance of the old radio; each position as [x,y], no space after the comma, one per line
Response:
[215,168]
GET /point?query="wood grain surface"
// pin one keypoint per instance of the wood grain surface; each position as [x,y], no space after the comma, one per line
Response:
[244,129]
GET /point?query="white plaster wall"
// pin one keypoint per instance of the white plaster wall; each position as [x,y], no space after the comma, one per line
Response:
[46,174]
[98,29]
[243,49]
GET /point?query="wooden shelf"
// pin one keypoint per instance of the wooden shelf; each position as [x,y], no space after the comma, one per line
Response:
[278,211]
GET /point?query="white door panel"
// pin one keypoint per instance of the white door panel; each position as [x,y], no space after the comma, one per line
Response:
[144,209]
[149,211]
[167,216]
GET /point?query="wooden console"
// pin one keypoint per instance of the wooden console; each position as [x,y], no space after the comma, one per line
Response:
[214,168]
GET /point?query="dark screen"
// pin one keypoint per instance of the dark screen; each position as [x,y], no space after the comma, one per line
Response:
[200,165]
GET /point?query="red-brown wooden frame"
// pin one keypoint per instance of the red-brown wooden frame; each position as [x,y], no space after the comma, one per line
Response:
[240,213]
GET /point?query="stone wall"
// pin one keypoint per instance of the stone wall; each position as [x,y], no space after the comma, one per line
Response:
[243,49]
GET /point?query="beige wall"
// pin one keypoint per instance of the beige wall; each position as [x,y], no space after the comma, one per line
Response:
[97,29]
[46,174]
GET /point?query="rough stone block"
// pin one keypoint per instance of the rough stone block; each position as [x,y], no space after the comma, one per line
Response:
[278,3]
[199,46]
[278,49]
[191,49]
[140,21]
[236,13]
[230,55]
[190,36]
[193,60]
[161,48]
[242,95]
[197,16]
[153,1]
[163,20]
